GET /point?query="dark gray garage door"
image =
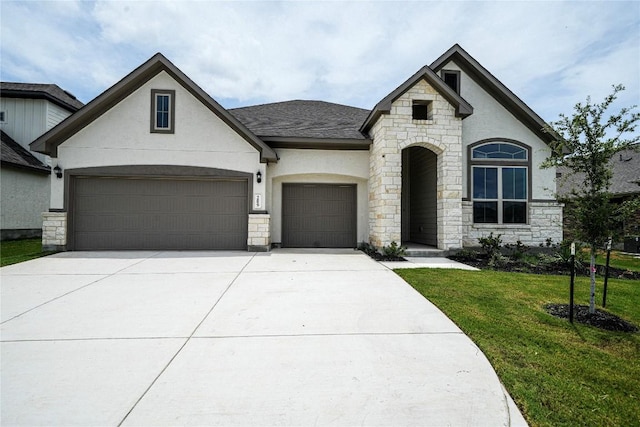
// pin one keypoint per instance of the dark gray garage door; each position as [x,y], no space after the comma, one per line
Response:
[149,213]
[318,216]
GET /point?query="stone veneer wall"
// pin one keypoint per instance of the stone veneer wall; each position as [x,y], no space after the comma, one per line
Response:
[259,236]
[54,231]
[396,131]
[545,221]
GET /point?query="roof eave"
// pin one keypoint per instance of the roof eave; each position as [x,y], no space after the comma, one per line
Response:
[318,143]
[49,142]
[462,108]
[496,89]
[29,94]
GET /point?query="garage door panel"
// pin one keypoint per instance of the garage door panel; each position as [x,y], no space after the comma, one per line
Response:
[319,215]
[120,213]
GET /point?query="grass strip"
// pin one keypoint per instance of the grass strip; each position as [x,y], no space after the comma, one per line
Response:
[15,251]
[559,374]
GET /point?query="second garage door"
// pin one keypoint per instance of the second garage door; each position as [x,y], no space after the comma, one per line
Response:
[319,216]
[158,213]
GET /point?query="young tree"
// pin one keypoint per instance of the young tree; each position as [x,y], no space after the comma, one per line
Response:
[584,144]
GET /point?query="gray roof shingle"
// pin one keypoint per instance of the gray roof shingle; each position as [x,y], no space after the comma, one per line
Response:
[303,119]
[52,92]
[626,175]
[14,154]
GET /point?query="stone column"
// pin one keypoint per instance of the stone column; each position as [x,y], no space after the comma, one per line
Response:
[259,235]
[54,231]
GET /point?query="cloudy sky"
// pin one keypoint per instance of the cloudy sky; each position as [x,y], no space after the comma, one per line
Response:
[551,54]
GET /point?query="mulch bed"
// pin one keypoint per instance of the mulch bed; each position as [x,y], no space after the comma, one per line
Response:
[599,319]
[482,262]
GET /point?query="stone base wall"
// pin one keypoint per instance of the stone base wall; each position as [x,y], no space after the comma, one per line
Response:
[54,231]
[545,222]
[259,236]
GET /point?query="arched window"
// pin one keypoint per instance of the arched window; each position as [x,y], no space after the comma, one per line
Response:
[500,182]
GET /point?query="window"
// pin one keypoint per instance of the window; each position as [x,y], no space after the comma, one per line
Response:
[452,79]
[2,116]
[500,183]
[421,110]
[162,111]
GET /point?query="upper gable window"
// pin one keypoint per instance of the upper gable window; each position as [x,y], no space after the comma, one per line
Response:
[162,111]
[498,150]
[422,110]
[452,79]
[3,116]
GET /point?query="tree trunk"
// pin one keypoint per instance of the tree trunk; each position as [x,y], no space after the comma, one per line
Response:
[592,270]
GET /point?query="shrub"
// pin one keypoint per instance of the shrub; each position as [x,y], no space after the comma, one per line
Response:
[490,244]
[367,248]
[518,250]
[393,250]
[466,255]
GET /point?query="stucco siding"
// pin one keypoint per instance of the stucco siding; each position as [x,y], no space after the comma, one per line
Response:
[491,120]
[121,136]
[23,198]
[318,166]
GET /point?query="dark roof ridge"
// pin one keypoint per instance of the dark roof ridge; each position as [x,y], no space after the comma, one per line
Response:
[298,100]
[463,108]
[495,88]
[49,142]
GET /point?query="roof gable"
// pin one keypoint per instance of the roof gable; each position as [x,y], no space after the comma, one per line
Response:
[495,88]
[49,142]
[462,107]
[14,154]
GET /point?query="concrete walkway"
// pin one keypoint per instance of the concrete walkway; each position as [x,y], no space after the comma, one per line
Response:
[233,338]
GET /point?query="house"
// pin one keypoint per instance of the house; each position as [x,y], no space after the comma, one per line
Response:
[26,112]
[154,162]
[625,185]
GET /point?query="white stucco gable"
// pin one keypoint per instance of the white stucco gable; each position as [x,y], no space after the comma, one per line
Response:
[121,135]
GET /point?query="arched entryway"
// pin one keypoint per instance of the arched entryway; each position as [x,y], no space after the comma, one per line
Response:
[419,196]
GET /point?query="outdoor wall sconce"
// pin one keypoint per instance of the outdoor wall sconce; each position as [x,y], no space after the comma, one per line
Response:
[58,171]
[259,177]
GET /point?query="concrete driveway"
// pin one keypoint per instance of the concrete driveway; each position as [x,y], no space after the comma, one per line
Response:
[233,338]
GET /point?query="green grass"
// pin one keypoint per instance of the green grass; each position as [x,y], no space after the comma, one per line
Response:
[15,251]
[559,374]
[619,260]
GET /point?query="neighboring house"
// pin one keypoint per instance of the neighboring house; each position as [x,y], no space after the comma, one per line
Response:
[155,163]
[625,184]
[26,112]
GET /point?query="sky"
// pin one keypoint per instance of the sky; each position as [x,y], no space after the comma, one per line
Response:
[551,54]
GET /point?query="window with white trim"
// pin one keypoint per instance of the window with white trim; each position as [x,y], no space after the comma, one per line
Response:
[499,182]
[162,111]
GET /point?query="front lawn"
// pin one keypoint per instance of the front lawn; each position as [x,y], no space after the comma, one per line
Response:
[619,260]
[558,373]
[15,251]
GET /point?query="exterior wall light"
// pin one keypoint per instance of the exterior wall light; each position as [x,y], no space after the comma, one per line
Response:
[58,171]
[259,177]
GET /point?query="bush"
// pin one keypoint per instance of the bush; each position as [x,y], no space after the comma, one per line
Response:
[491,245]
[394,251]
[367,248]
[518,250]
[466,255]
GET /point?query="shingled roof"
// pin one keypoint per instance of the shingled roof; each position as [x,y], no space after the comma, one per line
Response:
[51,92]
[626,175]
[13,154]
[303,119]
